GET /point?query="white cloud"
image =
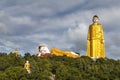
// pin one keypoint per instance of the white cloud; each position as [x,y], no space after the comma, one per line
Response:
[76,37]
[8,45]
[77,33]
[3,28]
[20,20]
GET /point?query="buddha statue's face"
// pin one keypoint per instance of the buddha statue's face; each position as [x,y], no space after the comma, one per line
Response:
[39,48]
[95,19]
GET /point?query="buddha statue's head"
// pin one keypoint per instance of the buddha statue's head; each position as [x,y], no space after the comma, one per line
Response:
[95,19]
[39,48]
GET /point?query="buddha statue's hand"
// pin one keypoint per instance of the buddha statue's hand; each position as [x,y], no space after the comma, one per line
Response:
[102,41]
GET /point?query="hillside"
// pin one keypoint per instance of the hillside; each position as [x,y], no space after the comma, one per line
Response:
[58,68]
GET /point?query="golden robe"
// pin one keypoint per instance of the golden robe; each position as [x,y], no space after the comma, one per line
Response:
[58,52]
[27,66]
[95,41]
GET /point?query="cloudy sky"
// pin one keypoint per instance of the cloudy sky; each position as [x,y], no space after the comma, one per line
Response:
[25,24]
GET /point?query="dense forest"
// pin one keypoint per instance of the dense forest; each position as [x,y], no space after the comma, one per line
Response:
[58,68]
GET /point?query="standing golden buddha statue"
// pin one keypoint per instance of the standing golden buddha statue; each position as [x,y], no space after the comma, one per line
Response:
[95,40]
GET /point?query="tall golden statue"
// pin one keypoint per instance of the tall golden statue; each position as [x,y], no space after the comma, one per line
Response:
[95,40]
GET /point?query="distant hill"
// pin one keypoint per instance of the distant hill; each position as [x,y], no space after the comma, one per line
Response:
[58,68]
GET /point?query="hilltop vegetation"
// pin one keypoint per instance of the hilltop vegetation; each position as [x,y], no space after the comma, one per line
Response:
[58,68]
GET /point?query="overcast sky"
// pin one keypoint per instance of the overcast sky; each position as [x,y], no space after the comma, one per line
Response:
[25,24]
